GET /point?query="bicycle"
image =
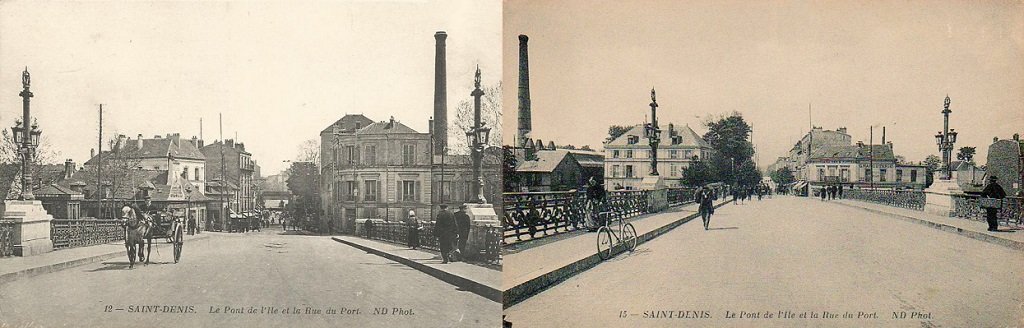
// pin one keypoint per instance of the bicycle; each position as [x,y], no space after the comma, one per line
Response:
[605,233]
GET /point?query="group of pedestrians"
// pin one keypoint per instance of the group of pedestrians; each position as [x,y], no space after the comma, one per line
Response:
[741,193]
[450,229]
[831,192]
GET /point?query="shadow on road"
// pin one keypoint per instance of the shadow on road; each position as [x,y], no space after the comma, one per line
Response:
[724,228]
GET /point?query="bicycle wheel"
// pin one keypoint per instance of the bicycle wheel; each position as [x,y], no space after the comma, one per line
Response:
[629,237]
[604,243]
[178,243]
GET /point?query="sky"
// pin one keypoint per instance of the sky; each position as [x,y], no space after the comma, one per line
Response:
[856,64]
[278,72]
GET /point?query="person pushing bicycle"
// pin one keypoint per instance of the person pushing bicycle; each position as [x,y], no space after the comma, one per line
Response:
[595,203]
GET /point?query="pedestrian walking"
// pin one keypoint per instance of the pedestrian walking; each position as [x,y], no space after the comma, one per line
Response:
[463,222]
[840,191]
[444,229]
[706,207]
[824,193]
[993,191]
[595,200]
[412,237]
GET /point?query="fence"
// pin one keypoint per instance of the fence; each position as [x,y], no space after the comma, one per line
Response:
[550,213]
[84,232]
[398,232]
[6,238]
[908,199]
[966,207]
[680,196]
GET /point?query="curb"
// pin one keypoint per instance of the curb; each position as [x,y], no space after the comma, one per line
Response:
[521,292]
[51,268]
[1011,244]
[461,282]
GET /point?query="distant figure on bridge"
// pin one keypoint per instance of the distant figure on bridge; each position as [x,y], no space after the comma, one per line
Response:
[704,197]
[444,229]
[462,222]
[993,190]
[595,202]
[413,236]
[840,191]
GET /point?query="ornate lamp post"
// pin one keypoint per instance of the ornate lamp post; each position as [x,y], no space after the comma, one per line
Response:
[946,139]
[653,134]
[477,137]
[27,138]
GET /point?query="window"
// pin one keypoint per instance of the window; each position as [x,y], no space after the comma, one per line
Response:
[370,190]
[913,175]
[351,155]
[629,171]
[673,153]
[632,139]
[184,173]
[615,171]
[408,154]
[881,175]
[629,153]
[409,189]
[821,174]
[688,154]
[197,175]
[844,174]
[350,191]
[899,175]
[371,155]
[674,171]
[867,175]
[615,154]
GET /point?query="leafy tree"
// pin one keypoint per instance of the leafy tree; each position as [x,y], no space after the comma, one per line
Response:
[697,174]
[931,163]
[303,178]
[616,131]
[728,136]
[966,154]
[783,176]
[508,169]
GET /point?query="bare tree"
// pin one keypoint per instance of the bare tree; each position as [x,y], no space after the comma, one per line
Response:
[490,116]
[309,151]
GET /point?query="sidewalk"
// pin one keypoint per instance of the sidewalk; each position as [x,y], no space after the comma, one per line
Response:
[474,278]
[1012,238]
[531,270]
[16,267]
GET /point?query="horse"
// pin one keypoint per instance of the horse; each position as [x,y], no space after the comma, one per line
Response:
[137,237]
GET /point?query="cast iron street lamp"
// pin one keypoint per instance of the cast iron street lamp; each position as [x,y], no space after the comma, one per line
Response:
[945,139]
[27,139]
[653,134]
[477,138]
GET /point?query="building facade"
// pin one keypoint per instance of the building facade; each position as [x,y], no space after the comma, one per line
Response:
[862,166]
[238,170]
[627,157]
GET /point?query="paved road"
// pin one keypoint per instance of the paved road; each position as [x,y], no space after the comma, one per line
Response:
[256,270]
[798,255]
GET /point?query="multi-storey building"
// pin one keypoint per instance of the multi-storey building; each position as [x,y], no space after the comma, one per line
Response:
[627,157]
[384,170]
[237,170]
[862,166]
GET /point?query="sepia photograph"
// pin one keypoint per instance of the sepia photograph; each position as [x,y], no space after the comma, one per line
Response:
[250,164]
[763,164]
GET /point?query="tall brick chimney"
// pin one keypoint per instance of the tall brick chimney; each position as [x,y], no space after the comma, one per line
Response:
[440,94]
[524,92]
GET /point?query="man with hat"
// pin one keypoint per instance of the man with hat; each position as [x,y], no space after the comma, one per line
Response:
[462,221]
[993,190]
[444,230]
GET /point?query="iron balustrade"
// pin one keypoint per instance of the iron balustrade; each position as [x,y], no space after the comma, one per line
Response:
[6,238]
[398,232]
[532,215]
[86,231]
[909,199]
[680,196]
[967,207]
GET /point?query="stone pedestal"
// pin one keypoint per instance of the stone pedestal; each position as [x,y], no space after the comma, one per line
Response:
[657,198]
[482,218]
[939,197]
[31,226]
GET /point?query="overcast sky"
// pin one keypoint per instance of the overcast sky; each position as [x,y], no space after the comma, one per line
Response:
[856,63]
[279,72]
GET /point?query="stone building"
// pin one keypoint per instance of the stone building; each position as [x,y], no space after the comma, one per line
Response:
[171,154]
[862,166]
[814,140]
[239,171]
[627,157]
[547,168]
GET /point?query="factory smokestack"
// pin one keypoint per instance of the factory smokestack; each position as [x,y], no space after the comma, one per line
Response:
[524,92]
[440,95]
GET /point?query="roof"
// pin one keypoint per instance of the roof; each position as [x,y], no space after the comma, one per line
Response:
[386,127]
[687,136]
[172,146]
[588,158]
[43,175]
[547,161]
[155,179]
[55,189]
[880,152]
[349,122]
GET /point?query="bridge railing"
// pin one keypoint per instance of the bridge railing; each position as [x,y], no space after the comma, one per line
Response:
[909,199]
[70,233]
[967,207]
[680,196]
[532,215]
[398,232]
[6,238]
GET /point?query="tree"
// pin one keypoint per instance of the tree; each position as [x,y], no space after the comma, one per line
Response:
[309,151]
[783,176]
[966,154]
[931,163]
[9,155]
[490,116]
[510,179]
[697,174]
[616,131]
[303,178]
[728,138]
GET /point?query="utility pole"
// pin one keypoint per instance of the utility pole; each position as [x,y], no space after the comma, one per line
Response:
[99,168]
[223,178]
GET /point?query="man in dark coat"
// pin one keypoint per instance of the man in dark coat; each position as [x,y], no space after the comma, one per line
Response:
[445,231]
[993,190]
[462,220]
[595,200]
[706,207]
